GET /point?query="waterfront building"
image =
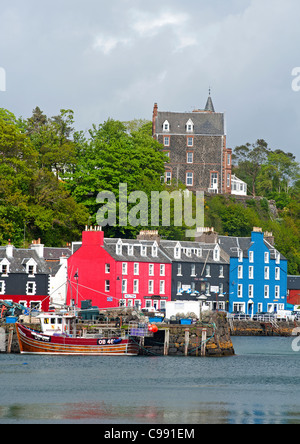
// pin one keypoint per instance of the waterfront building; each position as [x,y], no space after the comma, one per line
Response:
[24,277]
[293,290]
[118,272]
[258,273]
[200,271]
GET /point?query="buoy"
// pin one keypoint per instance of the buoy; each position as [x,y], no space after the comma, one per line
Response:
[154,328]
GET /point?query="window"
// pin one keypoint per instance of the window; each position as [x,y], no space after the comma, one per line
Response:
[266,292]
[251,257]
[30,288]
[267,256]
[135,286]
[221,289]
[189,179]
[124,268]
[124,286]
[207,271]
[241,255]
[277,257]
[189,157]
[228,180]
[207,288]
[4,269]
[148,304]
[119,248]
[277,274]
[179,287]
[240,291]
[240,272]
[31,269]
[179,269]
[151,287]
[277,292]
[107,286]
[130,250]
[166,140]
[251,291]
[189,126]
[190,141]
[162,269]
[107,268]
[193,270]
[162,305]
[251,272]
[151,270]
[136,269]
[143,250]
[166,126]
[162,287]
[267,272]
[154,250]
[228,159]
[2,287]
[177,251]
[221,273]
[216,254]
[168,177]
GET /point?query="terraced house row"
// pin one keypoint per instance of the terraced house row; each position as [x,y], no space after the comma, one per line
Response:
[227,273]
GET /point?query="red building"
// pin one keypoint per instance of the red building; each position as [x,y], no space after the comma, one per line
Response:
[116,272]
[293,290]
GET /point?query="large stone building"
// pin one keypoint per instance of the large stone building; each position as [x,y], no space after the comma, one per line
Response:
[195,143]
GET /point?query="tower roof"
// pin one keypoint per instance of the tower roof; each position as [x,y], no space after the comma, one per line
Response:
[209,104]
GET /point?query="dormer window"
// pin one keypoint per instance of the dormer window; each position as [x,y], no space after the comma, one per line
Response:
[143,250]
[166,126]
[217,253]
[119,248]
[177,251]
[130,250]
[31,266]
[154,249]
[4,267]
[189,126]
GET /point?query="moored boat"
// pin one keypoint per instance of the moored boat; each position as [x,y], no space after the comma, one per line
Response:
[56,338]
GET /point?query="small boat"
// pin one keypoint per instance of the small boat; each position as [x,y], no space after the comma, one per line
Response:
[56,339]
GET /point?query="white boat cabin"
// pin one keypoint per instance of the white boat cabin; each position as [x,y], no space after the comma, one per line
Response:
[57,323]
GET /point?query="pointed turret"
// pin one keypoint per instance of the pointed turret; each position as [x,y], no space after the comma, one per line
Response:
[209,104]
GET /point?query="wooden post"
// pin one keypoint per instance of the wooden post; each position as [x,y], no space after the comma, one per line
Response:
[203,342]
[187,342]
[2,340]
[167,342]
[10,338]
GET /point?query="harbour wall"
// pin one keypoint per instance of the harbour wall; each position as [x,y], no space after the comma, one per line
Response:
[209,338]
[258,328]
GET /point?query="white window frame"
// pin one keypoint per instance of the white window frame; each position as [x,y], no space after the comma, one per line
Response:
[33,286]
[190,157]
[151,269]
[136,269]
[124,268]
[240,272]
[266,292]
[151,286]
[240,291]
[277,273]
[136,286]
[251,272]
[251,257]
[107,286]
[162,269]
[267,273]
[162,287]
[2,287]
[267,257]
[251,291]
[107,268]
[189,179]
[277,291]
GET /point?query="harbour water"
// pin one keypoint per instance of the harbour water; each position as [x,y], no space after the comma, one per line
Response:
[261,384]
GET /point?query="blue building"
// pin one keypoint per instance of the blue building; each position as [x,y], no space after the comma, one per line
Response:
[258,273]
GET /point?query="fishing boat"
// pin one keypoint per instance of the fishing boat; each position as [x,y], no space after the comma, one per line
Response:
[59,337]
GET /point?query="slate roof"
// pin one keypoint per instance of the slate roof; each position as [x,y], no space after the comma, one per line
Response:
[54,254]
[232,245]
[21,257]
[293,282]
[207,255]
[205,123]
[110,247]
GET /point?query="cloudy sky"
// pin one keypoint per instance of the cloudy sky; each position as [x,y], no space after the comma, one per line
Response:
[115,59]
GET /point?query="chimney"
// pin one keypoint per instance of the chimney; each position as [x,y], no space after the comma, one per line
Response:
[268,236]
[93,237]
[9,250]
[155,114]
[206,235]
[151,235]
[38,247]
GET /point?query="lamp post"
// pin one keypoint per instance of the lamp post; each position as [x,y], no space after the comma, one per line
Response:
[76,276]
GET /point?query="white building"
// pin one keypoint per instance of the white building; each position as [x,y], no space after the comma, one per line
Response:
[238,187]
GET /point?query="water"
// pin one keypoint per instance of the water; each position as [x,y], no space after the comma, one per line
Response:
[259,385]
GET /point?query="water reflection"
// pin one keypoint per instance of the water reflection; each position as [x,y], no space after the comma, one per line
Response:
[103,413]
